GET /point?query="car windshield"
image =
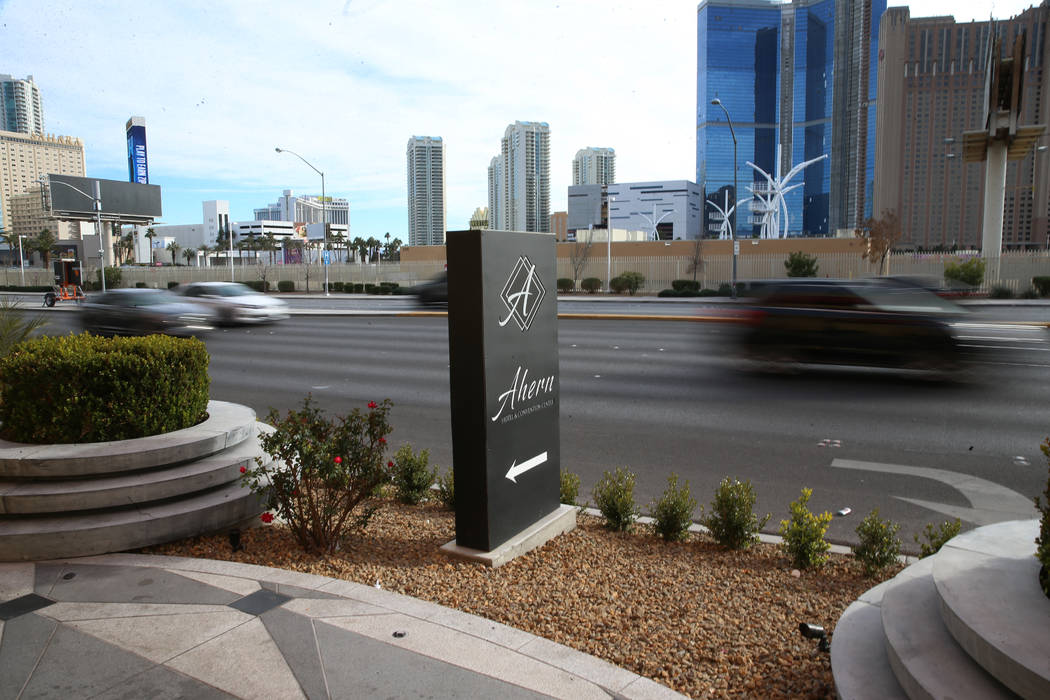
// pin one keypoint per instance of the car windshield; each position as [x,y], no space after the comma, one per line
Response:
[140,299]
[907,299]
[234,290]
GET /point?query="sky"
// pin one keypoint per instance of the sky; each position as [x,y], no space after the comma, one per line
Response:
[345,83]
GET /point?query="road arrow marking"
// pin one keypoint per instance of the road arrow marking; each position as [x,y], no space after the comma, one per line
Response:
[990,502]
[517,470]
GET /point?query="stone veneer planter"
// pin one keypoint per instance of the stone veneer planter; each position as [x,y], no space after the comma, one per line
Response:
[95,498]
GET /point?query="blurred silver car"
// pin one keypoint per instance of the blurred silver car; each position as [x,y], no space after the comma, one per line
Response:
[141,312]
[234,303]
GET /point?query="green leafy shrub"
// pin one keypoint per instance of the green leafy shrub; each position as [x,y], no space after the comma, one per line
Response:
[83,388]
[446,489]
[591,285]
[879,545]
[28,288]
[114,276]
[1042,542]
[337,286]
[15,326]
[685,285]
[1000,291]
[140,285]
[359,288]
[371,289]
[804,534]
[733,522]
[569,487]
[629,282]
[1029,293]
[668,293]
[1042,285]
[285,286]
[259,285]
[937,537]
[614,496]
[969,272]
[709,292]
[172,284]
[412,476]
[323,471]
[673,513]
[725,289]
[566,285]
[800,264]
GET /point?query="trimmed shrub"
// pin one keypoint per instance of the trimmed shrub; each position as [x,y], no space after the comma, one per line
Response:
[1029,293]
[804,534]
[709,292]
[83,388]
[668,293]
[570,487]
[591,285]
[140,285]
[685,285]
[337,286]
[359,288]
[732,522]
[1042,542]
[673,513]
[114,276]
[566,285]
[412,476]
[259,285]
[1000,291]
[446,490]
[969,272]
[371,289]
[285,286]
[1042,285]
[725,289]
[27,288]
[172,284]
[322,471]
[629,282]
[614,496]
[879,545]
[937,538]
[800,264]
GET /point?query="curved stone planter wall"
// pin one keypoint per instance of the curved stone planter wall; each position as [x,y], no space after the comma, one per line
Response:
[94,498]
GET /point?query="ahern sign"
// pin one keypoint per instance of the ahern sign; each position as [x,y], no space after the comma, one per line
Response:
[503,352]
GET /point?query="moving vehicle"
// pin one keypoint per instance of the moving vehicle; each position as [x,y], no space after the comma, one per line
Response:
[871,323]
[233,303]
[434,292]
[141,312]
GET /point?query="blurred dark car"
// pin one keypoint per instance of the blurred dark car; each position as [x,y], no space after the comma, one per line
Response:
[869,323]
[141,312]
[433,292]
[232,303]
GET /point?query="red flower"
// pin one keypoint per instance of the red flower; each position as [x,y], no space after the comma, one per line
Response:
[338,460]
[371,404]
[382,441]
[266,517]
[390,464]
[244,469]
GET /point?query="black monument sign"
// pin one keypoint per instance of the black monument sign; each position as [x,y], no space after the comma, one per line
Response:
[503,350]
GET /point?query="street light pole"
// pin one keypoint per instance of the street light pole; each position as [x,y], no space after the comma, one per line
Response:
[21,259]
[608,245]
[324,213]
[97,200]
[736,246]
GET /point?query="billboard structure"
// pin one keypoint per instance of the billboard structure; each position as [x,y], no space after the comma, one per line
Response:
[72,198]
[138,166]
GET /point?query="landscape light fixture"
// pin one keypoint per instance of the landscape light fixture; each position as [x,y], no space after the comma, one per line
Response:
[815,632]
[324,213]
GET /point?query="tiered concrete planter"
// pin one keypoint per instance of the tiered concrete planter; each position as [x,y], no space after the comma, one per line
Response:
[94,498]
[968,622]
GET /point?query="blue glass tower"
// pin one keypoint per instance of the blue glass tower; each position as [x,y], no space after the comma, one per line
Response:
[799,75]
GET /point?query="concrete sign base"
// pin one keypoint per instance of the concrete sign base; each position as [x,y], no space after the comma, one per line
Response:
[536,535]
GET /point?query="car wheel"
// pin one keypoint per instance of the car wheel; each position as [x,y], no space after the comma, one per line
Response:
[49,299]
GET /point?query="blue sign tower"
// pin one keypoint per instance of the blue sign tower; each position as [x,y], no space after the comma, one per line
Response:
[138,166]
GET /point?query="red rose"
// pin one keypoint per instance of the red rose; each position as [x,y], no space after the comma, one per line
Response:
[390,464]
[382,441]
[338,460]
[244,469]
[371,404]
[267,517]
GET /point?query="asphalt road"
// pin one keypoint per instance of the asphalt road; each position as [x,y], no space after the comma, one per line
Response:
[665,396]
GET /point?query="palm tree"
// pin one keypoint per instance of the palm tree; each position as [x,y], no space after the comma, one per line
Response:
[127,244]
[151,234]
[269,244]
[44,243]
[373,248]
[173,248]
[189,254]
[393,249]
[11,239]
[205,249]
[337,239]
[360,248]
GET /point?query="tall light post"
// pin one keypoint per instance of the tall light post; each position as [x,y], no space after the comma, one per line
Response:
[21,259]
[608,246]
[324,213]
[97,200]
[736,246]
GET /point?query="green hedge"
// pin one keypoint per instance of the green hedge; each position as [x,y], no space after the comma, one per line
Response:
[1042,285]
[259,285]
[566,285]
[286,286]
[591,285]
[685,285]
[172,284]
[27,289]
[84,388]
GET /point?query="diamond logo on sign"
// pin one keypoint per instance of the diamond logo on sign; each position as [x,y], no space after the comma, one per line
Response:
[522,294]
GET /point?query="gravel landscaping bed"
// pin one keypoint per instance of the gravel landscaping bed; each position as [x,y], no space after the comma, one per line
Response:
[701,620]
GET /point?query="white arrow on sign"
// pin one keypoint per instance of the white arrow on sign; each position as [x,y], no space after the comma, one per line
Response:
[517,470]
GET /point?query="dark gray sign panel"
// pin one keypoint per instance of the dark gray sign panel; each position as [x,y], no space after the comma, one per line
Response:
[503,351]
[123,201]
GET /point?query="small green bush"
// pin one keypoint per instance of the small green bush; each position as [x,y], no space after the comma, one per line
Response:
[359,288]
[259,285]
[614,496]
[685,285]
[570,487]
[337,286]
[668,293]
[629,282]
[709,292]
[879,545]
[1042,285]
[804,534]
[412,475]
[371,289]
[28,288]
[1029,293]
[140,285]
[733,522]
[937,538]
[172,284]
[673,513]
[566,285]
[591,285]
[725,289]
[83,388]
[969,272]
[285,286]
[114,276]
[446,489]
[800,264]
[1000,291]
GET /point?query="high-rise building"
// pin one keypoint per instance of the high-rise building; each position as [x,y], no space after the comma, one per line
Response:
[931,91]
[24,158]
[305,209]
[798,76]
[425,165]
[519,179]
[20,108]
[594,166]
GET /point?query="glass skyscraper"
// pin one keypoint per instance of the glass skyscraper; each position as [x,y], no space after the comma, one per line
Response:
[798,75]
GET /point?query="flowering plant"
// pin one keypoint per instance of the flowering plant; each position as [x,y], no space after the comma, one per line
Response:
[321,471]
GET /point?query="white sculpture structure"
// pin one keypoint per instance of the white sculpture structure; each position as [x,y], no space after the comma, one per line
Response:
[725,228]
[654,222]
[770,198]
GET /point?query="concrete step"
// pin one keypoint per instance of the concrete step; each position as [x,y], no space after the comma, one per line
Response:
[991,603]
[40,496]
[924,657]
[859,662]
[99,532]
[227,425]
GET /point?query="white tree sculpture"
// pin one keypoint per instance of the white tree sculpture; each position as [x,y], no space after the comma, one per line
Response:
[725,228]
[773,203]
